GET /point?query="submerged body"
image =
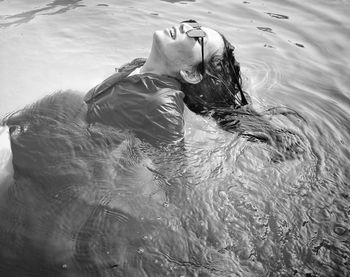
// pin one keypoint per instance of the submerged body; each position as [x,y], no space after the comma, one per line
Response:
[91,200]
[102,185]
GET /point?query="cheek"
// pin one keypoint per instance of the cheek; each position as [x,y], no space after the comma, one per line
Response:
[177,53]
[185,54]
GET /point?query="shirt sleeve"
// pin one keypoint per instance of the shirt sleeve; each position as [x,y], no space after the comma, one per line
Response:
[165,116]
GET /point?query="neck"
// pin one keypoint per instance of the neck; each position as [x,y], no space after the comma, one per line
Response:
[155,64]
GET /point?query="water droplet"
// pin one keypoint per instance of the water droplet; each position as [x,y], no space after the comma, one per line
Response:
[165,204]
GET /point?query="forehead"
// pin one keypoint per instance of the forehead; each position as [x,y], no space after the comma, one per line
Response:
[214,43]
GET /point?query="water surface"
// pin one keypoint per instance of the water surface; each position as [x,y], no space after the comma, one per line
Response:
[233,210]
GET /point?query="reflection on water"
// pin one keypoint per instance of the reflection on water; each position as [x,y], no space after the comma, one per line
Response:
[265,29]
[278,16]
[100,203]
[25,17]
[179,1]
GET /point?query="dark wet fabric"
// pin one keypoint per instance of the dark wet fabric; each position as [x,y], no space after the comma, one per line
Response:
[149,105]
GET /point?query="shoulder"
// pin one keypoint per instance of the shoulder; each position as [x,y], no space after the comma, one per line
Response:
[166,96]
[167,109]
[165,115]
[120,74]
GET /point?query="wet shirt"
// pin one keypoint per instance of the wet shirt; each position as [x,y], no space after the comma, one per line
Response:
[149,105]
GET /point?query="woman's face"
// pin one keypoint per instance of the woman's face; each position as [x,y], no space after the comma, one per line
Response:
[179,51]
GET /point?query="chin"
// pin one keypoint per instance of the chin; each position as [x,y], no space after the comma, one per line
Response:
[158,36]
[158,39]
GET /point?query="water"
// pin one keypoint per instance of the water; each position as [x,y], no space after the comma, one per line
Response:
[232,210]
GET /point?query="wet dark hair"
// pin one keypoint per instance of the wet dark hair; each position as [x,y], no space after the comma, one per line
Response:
[221,84]
[220,96]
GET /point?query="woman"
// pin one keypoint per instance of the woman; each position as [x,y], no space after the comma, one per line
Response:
[144,99]
[141,103]
[90,190]
[146,96]
[187,64]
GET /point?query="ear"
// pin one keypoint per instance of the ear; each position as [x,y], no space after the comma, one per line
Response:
[191,76]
